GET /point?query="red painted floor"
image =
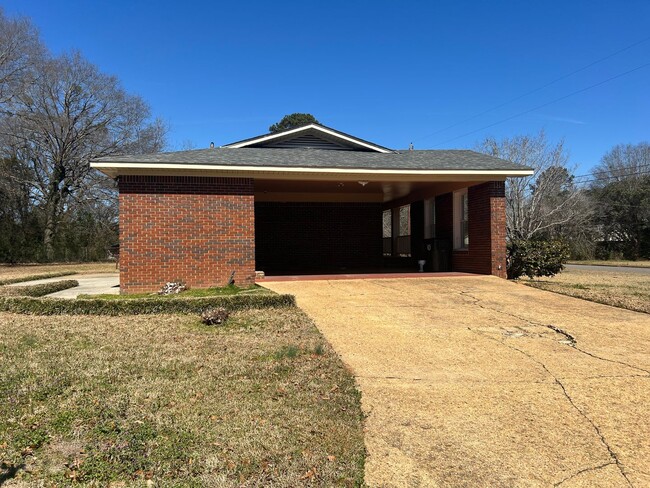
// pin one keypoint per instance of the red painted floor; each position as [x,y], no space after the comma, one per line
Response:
[360,276]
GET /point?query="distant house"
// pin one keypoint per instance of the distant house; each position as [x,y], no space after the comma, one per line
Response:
[310,200]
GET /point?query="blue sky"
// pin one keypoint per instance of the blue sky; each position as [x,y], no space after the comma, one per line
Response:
[391,72]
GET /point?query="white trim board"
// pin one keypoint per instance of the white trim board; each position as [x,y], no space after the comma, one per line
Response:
[114,169]
[306,128]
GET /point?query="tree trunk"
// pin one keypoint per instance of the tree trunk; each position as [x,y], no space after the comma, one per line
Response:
[48,236]
[51,216]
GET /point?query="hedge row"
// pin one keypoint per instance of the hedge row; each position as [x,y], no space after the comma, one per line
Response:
[40,290]
[43,276]
[97,306]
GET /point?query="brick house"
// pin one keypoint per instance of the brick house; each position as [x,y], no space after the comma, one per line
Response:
[310,200]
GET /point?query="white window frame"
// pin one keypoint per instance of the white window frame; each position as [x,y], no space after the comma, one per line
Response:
[461,219]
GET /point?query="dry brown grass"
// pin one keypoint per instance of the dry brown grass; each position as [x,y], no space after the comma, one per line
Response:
[598,262]
[8,271]
[624,290]
[262,401]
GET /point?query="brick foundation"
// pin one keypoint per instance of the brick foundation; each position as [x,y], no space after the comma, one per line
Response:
[486,253]
[192,229]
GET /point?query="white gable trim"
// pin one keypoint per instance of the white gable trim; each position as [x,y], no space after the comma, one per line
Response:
[331,133]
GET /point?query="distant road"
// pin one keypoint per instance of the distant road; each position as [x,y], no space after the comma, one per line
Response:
[617,269]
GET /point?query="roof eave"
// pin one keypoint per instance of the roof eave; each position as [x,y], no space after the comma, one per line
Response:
[114,169]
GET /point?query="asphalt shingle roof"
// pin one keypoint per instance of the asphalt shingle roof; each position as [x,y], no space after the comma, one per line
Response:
[457,159]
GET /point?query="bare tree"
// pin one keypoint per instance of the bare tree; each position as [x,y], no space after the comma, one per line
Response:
[69,114]
[622,190]
[20,49]
[547,200]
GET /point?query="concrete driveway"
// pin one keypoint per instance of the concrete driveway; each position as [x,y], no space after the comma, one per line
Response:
[476,381]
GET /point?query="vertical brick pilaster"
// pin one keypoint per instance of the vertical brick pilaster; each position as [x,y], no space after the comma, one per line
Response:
[498,229]
[486,253]
[192,229]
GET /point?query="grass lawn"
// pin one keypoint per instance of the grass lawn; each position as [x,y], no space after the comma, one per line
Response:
[191,293]
[119,401]
[8,272]
[624,290]
[597,262]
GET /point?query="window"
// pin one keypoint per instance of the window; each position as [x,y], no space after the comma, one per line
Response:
[430,218]
[461,214]
[405,220]
[388,232]
[404,231]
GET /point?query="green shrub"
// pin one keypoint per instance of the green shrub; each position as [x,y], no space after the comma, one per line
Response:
[40,290]
[98,306]
[42,276]
[536,258]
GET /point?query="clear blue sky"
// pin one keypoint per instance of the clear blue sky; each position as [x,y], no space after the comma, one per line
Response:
[388,71]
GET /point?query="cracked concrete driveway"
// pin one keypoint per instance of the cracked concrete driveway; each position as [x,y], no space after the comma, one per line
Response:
[476,381]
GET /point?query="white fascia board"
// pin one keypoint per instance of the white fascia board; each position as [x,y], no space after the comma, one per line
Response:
[304,128]
[114,169]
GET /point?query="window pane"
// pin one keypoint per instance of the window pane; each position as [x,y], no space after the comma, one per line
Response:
[465,210]
[464,234]
[461,219]
[388,223]
[430,219]
[405,220]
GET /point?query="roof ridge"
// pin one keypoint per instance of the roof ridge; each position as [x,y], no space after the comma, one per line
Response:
[341,136]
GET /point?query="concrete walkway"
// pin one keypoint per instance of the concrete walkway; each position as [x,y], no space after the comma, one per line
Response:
[477,381]
[91,284]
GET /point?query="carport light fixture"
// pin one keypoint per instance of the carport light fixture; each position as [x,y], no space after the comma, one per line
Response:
[363,183]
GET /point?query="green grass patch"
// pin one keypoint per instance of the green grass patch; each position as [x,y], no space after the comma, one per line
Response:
[289,352]
[160,398]
[191,293]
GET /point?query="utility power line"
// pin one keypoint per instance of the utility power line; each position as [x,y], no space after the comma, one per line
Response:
[594,173]
[607,178]
[535,90]
[546,104]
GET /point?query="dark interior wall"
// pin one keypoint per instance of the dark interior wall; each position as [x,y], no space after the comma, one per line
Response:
[417,230]
[292,238]
[445,216]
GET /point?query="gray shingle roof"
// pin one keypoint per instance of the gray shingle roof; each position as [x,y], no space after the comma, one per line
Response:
[318,158]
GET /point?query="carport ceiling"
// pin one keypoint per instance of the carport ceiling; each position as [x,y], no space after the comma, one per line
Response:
[382,191]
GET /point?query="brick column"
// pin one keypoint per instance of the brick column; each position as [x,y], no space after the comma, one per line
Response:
[497,228]
[197,230]
[486,253]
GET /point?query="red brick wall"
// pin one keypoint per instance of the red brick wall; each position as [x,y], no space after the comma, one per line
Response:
[315,237]
[192,229]
[487,229]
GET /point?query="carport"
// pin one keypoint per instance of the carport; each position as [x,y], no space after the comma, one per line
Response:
[355,226]
[307,200]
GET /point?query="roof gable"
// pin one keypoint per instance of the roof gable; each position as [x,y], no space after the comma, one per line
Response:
[312,136]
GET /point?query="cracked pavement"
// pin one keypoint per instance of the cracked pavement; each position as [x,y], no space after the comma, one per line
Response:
[476,381]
